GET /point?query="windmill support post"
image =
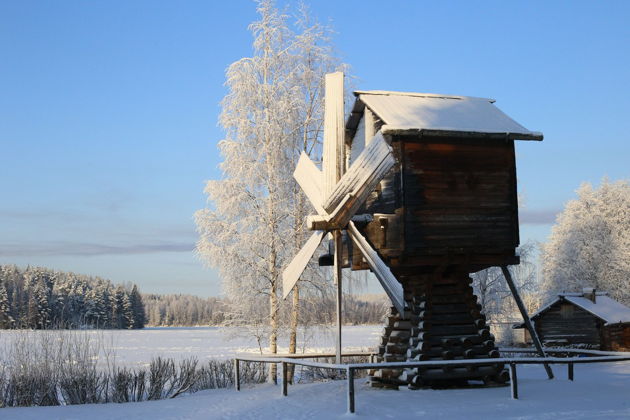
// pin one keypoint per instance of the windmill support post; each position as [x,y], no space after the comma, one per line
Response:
[285,378]
[338,283]
[513,381]
[350,377]
[528,322]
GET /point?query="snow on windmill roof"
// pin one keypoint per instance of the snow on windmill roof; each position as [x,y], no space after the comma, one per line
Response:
[415,113]
[608,310]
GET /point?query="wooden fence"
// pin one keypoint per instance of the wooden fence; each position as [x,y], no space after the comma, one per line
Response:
[594,356]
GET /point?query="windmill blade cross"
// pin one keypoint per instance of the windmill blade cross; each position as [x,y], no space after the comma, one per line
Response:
[294,270]
[309,179]
[370,167]
[333,158]
[392,287]
[355,186]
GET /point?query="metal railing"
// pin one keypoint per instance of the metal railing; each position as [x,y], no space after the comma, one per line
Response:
[594,356]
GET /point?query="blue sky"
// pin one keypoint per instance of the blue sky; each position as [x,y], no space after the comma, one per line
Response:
[108,112]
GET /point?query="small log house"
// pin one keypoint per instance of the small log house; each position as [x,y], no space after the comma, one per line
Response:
[590,319]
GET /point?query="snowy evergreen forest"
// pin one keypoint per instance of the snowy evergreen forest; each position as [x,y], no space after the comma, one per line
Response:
[188,310]
[41,298]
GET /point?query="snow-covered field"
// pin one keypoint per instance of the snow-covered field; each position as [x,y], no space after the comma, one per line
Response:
[598,392]
[137,347]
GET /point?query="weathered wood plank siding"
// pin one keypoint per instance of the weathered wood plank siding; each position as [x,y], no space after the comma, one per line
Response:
[452,197]
[616,337]
[459,196]
[565,321]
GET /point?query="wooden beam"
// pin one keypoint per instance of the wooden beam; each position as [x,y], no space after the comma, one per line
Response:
[528,322]
[334,131]
[294,270]
[285,379]
[392,286]
[369,125]
[317,222]
[309,177]
[513,381]
[350,376]
[237,375]
[338,281]
[370,167]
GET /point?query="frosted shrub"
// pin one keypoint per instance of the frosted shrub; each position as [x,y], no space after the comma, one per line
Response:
[79,379]
[161,373]
[504,333]
[62,368]
[31,371]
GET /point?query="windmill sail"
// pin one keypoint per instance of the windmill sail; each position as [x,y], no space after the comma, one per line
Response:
[310,180]
[296,267]
[392,287]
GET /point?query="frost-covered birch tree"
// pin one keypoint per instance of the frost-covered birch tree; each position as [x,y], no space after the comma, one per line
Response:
[496,299]
[589,245]
[272,112]
[315,58]
[494,294]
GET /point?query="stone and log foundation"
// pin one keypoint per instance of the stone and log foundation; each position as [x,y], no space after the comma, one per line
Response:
[444,322]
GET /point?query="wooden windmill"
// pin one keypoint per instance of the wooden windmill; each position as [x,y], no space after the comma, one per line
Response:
[337,194]
[428,197]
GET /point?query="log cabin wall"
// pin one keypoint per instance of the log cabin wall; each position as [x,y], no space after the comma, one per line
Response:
[447,209]
[460,199]
[616,337]
[449,201]
[565,321]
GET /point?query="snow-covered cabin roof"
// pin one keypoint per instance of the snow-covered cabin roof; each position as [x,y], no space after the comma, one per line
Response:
[608,310]
[416,113]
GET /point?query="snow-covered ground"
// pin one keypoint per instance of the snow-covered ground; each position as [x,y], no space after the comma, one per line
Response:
[137,347]
[600,391]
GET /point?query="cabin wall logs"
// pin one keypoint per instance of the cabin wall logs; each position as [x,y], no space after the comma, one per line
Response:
[448,200]
[566,323]
[616,337]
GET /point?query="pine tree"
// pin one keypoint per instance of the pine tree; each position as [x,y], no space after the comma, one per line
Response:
[137,308]
[117,308]
[41,297]
[127,312]
[6,321]
[104,297]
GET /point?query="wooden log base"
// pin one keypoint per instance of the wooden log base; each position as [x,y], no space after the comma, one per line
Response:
[445,323]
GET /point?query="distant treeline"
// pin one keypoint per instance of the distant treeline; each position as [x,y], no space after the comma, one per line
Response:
[183,310]
[187,310]
[42,298]
[320,310]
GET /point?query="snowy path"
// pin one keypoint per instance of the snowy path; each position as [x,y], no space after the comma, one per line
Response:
[599,392]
